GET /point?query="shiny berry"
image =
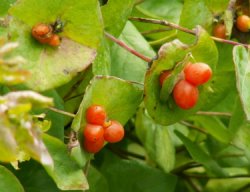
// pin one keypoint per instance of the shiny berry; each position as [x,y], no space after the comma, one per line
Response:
[54,40]
[163,76]
[114,133]
[96,114]
[42,32]
[243,23]
[93,147]
[93,132]
[219,31]
[198,73]
[185,94]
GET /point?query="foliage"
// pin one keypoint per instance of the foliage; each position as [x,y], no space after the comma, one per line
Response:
[102,60]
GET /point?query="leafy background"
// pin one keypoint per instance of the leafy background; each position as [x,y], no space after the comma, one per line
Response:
[202,149]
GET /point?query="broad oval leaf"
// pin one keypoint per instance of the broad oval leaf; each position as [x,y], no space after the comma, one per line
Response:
[8,181]
[66,173]
[51,67]
[194,12]
[82,19]
[156,140]
[173,56]
[115,14]
[242,70]
[119,98]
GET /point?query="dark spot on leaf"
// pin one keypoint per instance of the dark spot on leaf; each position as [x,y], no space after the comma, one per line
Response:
[65,71]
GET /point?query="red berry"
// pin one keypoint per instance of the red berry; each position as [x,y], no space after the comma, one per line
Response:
[114,133]
[93,132]
[185,94]
[198,73]
[164,75]
[243,23]
[96,114]
[93,147]
[42,32]
[219,31]
[54,40]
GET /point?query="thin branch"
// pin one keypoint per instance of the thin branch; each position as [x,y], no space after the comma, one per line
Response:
[86,168]
[156,31]
[62,112]
[132,154]
[193,127]
[211,113]
[122,44]
[215,177]
[185,167]
[139,2]
[178,27]
[194,185]
[163,22]
[75,96]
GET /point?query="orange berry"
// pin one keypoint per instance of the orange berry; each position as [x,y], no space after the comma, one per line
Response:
[219,31]
[54,40]
[185,94]
[243,23]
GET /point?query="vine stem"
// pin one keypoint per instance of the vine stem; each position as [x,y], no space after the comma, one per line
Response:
[122,44]
[178,27]
[211,113]
[193,127]
[62,112]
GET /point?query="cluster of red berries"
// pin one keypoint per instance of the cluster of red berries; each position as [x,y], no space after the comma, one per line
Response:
[99,129]
[242,24]
[185,92]
[47,34]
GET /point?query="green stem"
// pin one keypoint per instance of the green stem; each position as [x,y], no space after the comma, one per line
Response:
[62,112]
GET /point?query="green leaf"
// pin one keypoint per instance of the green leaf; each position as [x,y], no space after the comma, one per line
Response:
[8,181]
[156,140]
[201,157]
[169,56]
[97,182]
[119,98]
[242,70]
[241,139]
[51,67]
[124,64]
[102,62]
[194,12]
[217,6]
[215,127]
[57,120]
[160,9]
[66,173]
[82,18]
[238,117]
[34,178]
[227,185]
[115,15]
[143,178]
